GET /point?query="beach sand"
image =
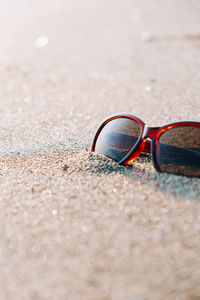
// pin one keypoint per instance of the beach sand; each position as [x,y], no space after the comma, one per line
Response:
[75,225]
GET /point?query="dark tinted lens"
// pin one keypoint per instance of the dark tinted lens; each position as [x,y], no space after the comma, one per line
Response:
[178,151]
[117,138]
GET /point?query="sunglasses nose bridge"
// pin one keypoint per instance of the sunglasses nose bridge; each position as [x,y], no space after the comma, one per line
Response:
[150,132]
[148,135]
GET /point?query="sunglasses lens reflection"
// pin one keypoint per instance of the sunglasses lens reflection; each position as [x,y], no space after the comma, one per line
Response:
[117,138]
[178,151]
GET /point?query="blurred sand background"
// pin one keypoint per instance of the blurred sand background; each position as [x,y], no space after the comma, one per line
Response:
[75,225]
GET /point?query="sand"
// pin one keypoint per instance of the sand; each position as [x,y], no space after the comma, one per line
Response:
[75,225]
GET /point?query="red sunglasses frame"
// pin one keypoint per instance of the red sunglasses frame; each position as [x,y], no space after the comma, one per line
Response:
[148,140]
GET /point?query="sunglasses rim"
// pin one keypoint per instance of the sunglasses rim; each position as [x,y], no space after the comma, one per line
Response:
[158,135]
[139,146]
[113,117]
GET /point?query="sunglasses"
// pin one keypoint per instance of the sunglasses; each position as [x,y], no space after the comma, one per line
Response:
[175,147]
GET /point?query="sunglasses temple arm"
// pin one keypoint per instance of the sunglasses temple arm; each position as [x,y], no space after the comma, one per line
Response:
[147,147]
